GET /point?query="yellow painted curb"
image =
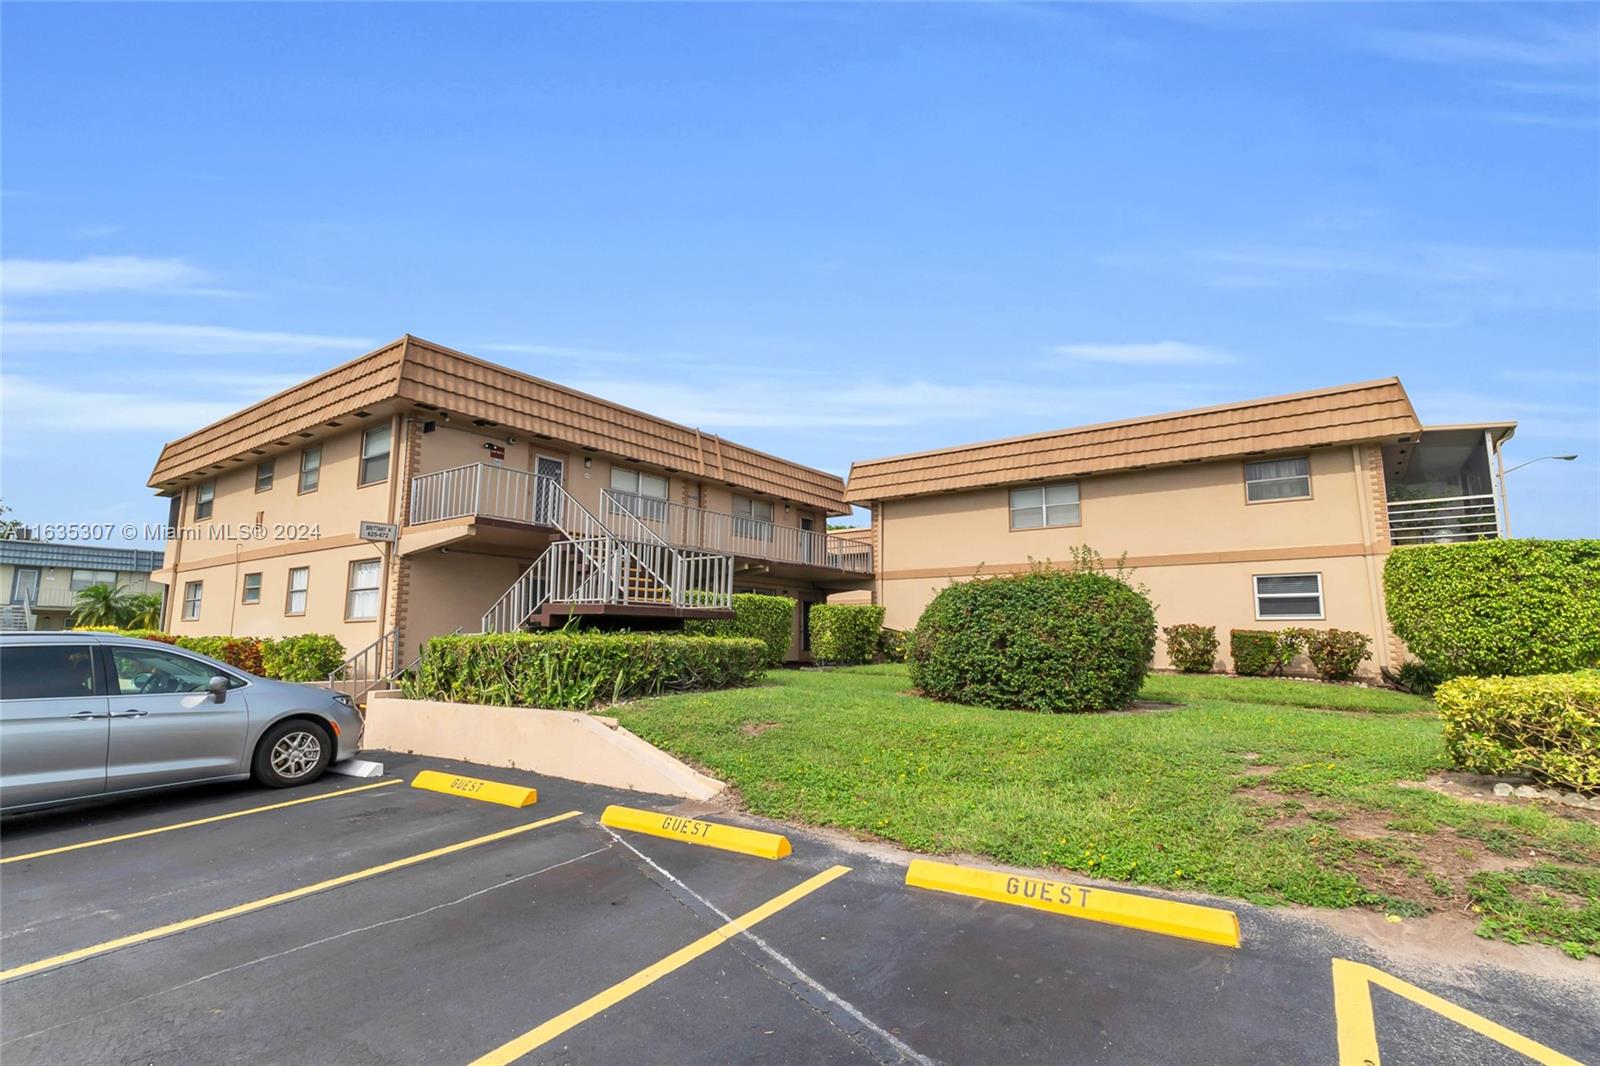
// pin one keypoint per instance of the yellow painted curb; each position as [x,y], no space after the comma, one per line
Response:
[474,788]
[1212,925]
[693,831]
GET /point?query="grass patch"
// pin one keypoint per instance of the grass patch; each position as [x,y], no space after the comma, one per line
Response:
[1282,691]
[1555,905]
[1158,799]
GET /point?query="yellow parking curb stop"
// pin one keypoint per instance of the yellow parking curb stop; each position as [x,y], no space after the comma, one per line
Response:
[475,788]
[1212,925]
[693,831]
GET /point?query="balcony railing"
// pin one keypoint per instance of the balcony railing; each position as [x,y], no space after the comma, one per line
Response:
[485,491]
[1444,520]
[56,599]
[714,531]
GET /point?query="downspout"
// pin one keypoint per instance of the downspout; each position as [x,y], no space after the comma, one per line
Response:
[397,431]
[175,590]
[1499,474]
[1369,556]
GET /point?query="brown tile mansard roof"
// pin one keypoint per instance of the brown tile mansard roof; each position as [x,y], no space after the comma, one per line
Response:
[1344,414]
[416,372]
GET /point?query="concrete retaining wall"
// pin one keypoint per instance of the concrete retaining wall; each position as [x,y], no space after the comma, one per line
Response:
[579,747]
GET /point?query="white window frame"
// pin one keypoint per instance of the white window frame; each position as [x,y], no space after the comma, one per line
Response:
[637,501]
[192,592]
[314,469]
[367,459]
[352,589]
[1255,588]
[1044,508]
[1248,480]
[205,495]
[244,588]
[304,591]
[72,579]
[748,523]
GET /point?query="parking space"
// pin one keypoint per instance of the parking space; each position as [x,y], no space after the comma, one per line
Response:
[397,924]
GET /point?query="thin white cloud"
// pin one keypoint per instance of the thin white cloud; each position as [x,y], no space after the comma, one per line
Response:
[175,338]
[1543,119]
[563,352]
[824,402]
[101,273]
[1392,320]
[1533,44]
[1583,90]
[1152,353]
[1495,278]
[36,406]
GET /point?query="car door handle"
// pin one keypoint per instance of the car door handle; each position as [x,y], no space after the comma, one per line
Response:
[84,716]
[131,714]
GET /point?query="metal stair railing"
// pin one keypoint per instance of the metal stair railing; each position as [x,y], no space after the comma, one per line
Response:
[368,668]
[597,564]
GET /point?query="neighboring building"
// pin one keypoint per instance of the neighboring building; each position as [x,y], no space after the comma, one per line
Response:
[519,503]
[1249,515]
[861,535]
[42,579]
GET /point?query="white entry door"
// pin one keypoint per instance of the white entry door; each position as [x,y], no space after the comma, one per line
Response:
[547,507]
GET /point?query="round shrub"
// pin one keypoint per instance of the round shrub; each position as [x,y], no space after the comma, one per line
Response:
[769,619]
[1047,640]
[1336,654]
[1191,648]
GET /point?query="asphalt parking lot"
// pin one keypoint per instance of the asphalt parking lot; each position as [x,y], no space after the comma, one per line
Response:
[360,921]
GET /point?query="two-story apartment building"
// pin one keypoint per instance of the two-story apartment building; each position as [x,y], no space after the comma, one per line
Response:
[42,579]
[1258,514]
[514,502]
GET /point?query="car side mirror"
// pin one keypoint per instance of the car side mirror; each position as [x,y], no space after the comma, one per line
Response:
[218,687]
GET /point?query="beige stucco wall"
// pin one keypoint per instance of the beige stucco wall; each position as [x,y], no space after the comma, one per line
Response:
[1188,532]
[317,530]
[565,744]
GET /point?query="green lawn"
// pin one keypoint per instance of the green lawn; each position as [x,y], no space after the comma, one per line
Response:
[1243,790]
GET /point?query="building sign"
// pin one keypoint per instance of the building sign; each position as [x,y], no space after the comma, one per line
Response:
[380,531]
[497,454]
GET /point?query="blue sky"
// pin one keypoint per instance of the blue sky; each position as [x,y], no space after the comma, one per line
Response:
[830,231]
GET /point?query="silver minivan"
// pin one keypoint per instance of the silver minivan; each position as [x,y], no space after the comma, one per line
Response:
[90,715]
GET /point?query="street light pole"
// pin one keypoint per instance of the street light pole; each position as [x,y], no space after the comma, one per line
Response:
[1542,458]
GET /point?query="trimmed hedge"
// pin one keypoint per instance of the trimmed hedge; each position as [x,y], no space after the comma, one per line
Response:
[892,645]
[577,669]
[1191,648]
[1546,725]
[1506,607]
[769,619]
[309,657]
[243,652]
[845,632]
[1045,640]
[1263,652]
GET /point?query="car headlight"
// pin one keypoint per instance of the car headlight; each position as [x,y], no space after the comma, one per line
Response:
[340,697]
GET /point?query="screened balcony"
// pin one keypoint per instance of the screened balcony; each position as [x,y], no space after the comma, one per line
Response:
[1444,486]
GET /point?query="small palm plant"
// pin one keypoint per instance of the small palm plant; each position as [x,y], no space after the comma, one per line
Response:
[144,611]
[102,605]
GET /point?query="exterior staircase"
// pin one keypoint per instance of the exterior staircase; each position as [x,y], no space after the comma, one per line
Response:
[619,566]
[14,618]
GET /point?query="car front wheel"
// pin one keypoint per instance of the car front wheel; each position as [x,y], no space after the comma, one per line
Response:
[292,753]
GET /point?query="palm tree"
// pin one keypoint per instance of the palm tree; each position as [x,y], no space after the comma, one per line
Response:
[144,611]
[102,605]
